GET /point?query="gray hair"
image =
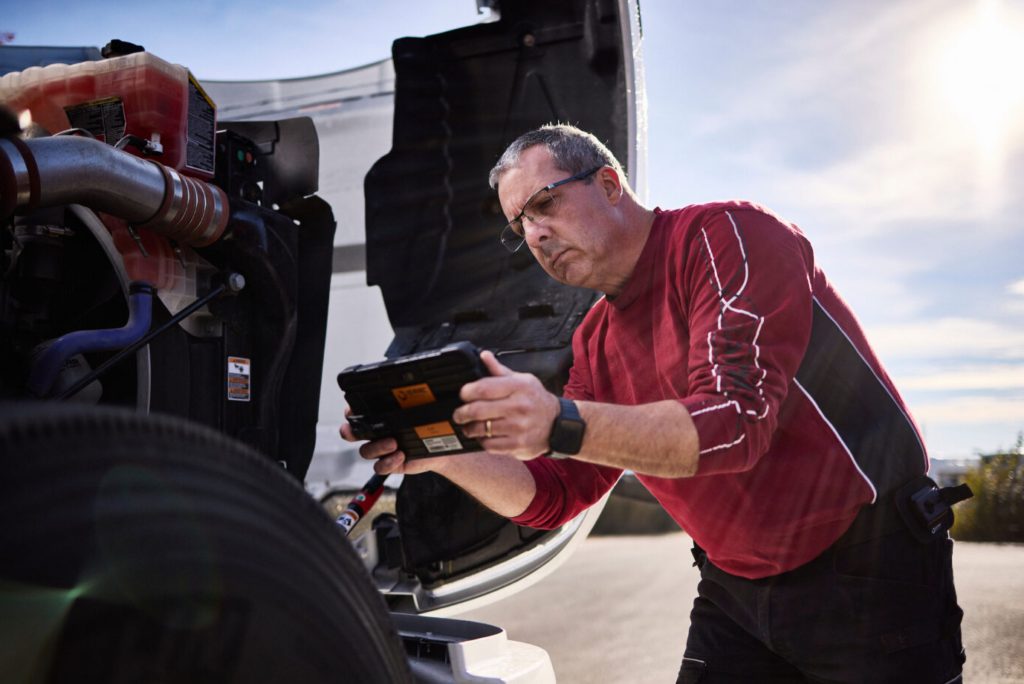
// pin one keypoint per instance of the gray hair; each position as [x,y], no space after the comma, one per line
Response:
[574,151]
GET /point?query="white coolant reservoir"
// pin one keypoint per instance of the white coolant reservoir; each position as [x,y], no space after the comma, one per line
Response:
[137,94]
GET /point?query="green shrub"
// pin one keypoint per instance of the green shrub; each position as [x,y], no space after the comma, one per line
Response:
[996,513]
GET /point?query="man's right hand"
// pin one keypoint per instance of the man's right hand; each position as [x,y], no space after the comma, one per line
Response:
[388,459]
[500,482]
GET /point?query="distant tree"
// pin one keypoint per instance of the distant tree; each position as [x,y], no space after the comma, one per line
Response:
[996,513]
[6,37]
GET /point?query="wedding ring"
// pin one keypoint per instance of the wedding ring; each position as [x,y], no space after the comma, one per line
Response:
[487,430]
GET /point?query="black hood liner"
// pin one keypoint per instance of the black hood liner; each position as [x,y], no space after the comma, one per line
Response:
[432,221]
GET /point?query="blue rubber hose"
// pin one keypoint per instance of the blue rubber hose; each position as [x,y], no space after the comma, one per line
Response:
[47,366]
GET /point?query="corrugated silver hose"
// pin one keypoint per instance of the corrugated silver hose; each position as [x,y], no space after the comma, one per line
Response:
[49,172]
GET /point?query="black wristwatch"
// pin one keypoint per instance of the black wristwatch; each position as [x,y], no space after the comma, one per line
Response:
[567,431]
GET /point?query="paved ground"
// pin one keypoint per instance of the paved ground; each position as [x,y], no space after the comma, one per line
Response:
[618,610]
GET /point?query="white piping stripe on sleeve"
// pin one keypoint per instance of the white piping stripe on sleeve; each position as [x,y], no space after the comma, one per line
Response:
[711,345]
[721,298]
[759,319]
[728,306]
[874,492]
[714,366]
[717,407]
[746,269]
[757,365]
[757,354]
[924,452]
[763,413]
[714,269]
[715,449]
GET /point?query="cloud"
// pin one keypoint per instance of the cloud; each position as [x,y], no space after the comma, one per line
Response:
[1016,288]
[322,36]
[837,53]
[966,377]
[970,411]
[851,122]
[948,338]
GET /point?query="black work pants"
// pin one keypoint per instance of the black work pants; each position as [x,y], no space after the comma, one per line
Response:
[874,612]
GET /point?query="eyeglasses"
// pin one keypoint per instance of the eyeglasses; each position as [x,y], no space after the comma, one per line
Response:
[542,206]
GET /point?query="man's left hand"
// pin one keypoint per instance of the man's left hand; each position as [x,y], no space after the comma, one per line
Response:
[515,407]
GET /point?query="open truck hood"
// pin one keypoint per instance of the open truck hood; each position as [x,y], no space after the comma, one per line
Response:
[432,227]
[432,221]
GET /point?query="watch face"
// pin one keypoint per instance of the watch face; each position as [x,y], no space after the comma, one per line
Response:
[571,438]
[567,431]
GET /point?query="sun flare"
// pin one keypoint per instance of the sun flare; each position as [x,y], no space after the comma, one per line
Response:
[983,74]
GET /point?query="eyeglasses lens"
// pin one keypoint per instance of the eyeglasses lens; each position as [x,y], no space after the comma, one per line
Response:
[510,237]
[542,206]
[539,209]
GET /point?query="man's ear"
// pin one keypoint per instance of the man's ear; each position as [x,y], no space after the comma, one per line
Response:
[610,184]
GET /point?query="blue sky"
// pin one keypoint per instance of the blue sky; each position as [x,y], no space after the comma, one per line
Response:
[890,131]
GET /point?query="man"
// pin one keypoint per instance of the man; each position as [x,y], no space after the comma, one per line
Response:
[725,371]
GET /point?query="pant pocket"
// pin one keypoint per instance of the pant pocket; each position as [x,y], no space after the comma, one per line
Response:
[894,558]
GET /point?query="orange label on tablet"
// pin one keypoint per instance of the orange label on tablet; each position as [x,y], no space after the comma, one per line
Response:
[434,430]
[413,395]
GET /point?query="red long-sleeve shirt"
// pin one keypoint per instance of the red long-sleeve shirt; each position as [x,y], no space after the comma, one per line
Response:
[798,423]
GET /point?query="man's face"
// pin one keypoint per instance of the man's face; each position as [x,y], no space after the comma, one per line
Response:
[575,243]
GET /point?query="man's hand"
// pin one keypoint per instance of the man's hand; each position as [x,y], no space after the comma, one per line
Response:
[389,460]
[516,408]
[501,483]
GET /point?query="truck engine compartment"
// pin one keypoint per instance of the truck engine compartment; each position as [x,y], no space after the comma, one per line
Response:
[159,260]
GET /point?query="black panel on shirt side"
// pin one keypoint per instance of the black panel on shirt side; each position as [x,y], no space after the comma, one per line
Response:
[857,404]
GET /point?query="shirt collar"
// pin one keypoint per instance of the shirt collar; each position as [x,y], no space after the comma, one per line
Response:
[639,278]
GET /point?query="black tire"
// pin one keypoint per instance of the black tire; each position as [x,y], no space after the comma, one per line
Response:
[137,548]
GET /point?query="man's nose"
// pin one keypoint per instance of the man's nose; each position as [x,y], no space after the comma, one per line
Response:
[535,233]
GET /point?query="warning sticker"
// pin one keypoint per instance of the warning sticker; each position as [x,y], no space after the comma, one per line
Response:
[438,444]
[238,379]
[348,520]
[202,128]
[413,395]
[103,118]
[435,430]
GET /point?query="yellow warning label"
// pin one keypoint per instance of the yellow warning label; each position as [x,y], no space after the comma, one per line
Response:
[92,103]
[413,395]
[434,430]
[202,93]
[104,119]
[239,376]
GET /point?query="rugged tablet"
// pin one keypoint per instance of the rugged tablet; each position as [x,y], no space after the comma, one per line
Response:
[412,398]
